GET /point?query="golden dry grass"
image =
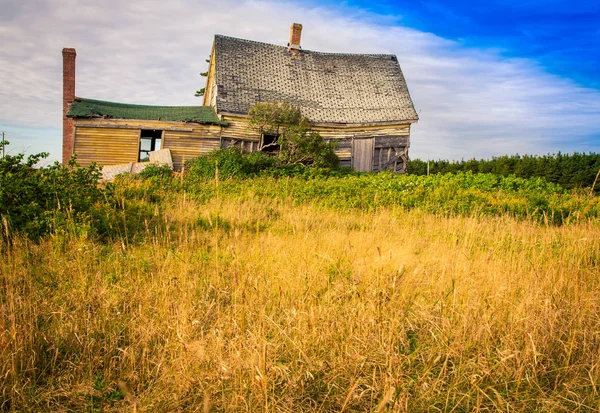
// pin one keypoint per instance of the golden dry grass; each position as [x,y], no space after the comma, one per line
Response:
[274,308]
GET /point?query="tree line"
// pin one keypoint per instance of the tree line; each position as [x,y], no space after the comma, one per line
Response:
[577,170]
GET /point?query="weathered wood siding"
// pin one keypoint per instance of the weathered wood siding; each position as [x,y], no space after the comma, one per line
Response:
[239,128]
[106,146]
[210,91]
[188,145]
[362,151]
[246,145]
[116,141]
[391,153]
[389,139]
[391,143]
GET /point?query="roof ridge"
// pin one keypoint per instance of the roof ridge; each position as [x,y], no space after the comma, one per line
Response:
[387,55]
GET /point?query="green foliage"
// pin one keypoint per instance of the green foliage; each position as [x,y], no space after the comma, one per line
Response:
[157,172]
[231,162]
[576,170]
[63,199]
[464,194]
[35,201]
[68,198]
[298,144]
[105,395]
[212,222]
[200,92]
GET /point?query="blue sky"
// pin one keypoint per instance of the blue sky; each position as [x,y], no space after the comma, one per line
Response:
[564,37]
[487,78]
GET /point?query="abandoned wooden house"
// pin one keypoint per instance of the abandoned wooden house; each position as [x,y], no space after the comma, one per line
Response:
[360,101]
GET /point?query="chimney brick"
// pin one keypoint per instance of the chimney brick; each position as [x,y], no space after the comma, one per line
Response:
[68,98]
[295,33]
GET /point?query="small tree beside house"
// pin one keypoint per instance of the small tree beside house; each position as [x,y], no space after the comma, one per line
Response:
[285,131]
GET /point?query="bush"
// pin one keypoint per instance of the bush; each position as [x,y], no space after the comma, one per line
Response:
[160,172]
[231,162]
[34,201]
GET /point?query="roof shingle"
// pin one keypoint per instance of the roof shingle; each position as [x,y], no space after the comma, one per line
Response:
[90,108]
[328,87]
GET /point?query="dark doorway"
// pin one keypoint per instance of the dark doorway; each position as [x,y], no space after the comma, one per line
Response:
[150,140]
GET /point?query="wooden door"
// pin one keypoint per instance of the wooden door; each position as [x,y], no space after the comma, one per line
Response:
[362,154]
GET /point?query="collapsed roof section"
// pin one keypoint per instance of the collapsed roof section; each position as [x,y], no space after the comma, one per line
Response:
[90,108]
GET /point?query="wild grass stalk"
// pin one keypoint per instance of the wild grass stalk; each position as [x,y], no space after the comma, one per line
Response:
[254,304]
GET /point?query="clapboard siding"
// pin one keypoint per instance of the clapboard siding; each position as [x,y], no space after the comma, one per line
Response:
[106,146]
[343,150]
[239,133]
[116,141]
[391,141]
[239,128]
[362,131]
[188,145]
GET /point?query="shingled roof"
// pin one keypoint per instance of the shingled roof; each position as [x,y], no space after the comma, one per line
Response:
[328,87]
[90,108]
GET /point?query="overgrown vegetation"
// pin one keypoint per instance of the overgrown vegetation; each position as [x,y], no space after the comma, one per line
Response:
[296,288]
[463,194]
[36,201]
[239,305]
[298,144]
[577,170]
[231,163]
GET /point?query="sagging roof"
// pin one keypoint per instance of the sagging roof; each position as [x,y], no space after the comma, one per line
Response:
[90,108]
[328,87]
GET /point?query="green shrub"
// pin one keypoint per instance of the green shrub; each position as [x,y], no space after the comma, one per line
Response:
[34,201]
[231,162]
[161,172]
[451,194]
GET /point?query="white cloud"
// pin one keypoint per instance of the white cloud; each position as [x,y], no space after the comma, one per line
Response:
[472,102]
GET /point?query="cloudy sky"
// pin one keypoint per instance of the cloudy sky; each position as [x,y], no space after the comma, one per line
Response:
[487,80]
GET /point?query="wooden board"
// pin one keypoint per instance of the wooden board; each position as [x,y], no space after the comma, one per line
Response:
[245,145]
[106,146]
[362,154]
[185,146]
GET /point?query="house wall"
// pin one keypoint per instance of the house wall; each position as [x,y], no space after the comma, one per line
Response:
[188,145]
[116,141]
[106,146]
[210,91]
[391,142]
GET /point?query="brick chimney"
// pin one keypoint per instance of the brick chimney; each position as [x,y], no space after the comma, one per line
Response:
[68,98]
[295,33]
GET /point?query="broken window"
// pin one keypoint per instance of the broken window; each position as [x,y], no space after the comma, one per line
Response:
[270,143]
[150,140]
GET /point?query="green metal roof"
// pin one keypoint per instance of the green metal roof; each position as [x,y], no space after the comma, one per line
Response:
[89,108]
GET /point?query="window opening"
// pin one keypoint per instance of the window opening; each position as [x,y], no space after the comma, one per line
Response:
[150,140]
[270,143]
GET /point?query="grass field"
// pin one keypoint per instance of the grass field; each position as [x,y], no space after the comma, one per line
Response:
[256,303]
